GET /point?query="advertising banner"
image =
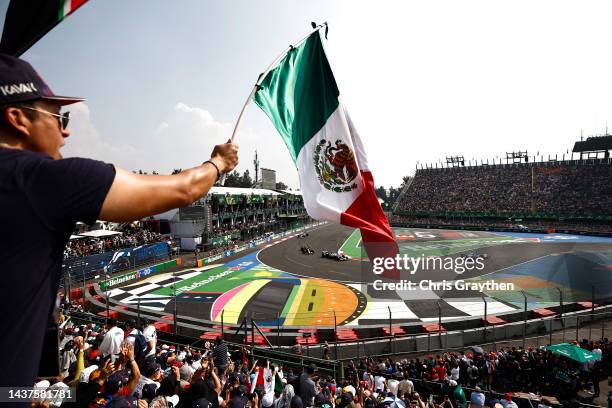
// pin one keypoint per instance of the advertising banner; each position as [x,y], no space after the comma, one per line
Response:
[89,266]
[141,273]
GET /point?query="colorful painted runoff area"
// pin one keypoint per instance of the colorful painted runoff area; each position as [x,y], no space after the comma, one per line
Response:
[576,269]
[535,263]
[579,274]
[271,296]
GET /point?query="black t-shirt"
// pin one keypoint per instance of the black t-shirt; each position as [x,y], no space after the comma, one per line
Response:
[238,402]
[202,388]
[220,352]
[41,200]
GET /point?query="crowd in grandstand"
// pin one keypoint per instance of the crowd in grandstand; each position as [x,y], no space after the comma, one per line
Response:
[567,188]
[89,246]
[240,226]
[124,365]
[232,245]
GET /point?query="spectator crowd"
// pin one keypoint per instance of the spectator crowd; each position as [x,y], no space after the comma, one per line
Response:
[561,188]
[86,246]
[127,366]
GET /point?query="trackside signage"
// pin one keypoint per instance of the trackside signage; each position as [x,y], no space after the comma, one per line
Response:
[225,254]
[139,274]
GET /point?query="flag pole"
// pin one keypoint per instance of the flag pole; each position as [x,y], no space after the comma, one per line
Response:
[262,77]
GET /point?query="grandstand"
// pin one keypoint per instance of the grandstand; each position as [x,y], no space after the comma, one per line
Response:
[561,194]
[228,215]
[217,223]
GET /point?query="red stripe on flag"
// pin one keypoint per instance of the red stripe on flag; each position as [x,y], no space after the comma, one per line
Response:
[75,4]
[366,214]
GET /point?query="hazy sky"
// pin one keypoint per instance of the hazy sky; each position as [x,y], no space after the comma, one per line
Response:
[165,80]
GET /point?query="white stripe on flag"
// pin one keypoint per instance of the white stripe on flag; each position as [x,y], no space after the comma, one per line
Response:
[67,8]
[323,204]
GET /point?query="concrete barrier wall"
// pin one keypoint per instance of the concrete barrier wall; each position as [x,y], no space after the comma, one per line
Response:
[434,342]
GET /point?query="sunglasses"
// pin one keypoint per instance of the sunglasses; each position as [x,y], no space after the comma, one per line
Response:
[62,118]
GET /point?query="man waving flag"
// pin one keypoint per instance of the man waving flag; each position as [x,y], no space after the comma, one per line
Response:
[301,98]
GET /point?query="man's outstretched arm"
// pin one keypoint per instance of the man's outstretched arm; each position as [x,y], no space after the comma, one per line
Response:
[134,196]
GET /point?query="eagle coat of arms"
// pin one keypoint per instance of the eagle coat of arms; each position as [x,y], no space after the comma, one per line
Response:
[336,166]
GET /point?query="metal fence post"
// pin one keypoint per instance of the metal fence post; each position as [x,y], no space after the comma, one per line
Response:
[222,324]
[278,340]
[390,332]
[67,285]
[550,332]
[107,296]
[592,309]
[486,321]
[335,334]
[524,320]
[252,336]
[174,312]
[494,337]
[561,314]
[577,326]
[84,286]
[439,323]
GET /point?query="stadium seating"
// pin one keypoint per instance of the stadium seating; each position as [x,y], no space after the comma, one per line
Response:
[346,334]
[493,320]
[552,189]
[210,335]
[433,328]
[395,331]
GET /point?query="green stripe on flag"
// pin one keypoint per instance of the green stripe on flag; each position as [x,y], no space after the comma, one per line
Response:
[300,94]
[61,13]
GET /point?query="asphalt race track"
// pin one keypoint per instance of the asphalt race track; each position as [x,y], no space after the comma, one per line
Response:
[277,284]
[287,256]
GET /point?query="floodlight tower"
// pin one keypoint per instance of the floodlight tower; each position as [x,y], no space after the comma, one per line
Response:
[256,164]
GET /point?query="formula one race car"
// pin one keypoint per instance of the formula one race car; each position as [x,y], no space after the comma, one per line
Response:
[302,235]
[306,250]
[334,255]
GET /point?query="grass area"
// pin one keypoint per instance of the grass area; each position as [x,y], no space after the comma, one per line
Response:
[353,248]
[218,280]
[352,245]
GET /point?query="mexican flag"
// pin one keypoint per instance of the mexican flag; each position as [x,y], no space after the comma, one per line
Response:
[27,21]
[301,98]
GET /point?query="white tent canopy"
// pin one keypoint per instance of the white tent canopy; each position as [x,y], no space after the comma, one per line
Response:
[241,191]
[99,233]
[294,192]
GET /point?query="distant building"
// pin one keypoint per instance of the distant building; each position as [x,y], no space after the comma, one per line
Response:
[229,214]
[267,179]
